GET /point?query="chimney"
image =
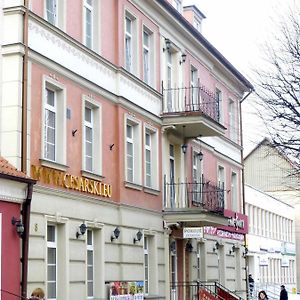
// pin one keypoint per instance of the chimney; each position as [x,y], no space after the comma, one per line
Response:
[194,16]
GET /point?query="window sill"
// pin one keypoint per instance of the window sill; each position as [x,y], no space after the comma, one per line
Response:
[53,165]
[151,191]
[153,297]
[90,175]
[133,186]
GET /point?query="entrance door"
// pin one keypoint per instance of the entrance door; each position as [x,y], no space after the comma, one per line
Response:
[173,269]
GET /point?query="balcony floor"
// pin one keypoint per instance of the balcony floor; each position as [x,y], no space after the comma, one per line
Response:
[194,217]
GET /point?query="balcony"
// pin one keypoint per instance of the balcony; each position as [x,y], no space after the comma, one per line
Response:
[194,204]
[191,112]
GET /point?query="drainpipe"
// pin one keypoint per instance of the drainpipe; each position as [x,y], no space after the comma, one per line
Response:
[25,240]
[27,203]
[243,182]
[24,91]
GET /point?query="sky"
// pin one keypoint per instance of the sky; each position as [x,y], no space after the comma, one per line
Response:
[239,29]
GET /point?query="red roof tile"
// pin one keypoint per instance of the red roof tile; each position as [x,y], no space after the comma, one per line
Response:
[8,169]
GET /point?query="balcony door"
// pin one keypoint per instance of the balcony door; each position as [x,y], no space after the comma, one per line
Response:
[169,81]
[197,180]
[194,90]
[172,175]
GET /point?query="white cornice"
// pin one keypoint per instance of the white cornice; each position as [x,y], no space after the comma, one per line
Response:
[68,53]
[12,191]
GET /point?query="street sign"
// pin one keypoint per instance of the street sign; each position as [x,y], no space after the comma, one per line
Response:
[192,232]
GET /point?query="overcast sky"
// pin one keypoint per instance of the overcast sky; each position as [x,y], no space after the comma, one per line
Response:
[239,29]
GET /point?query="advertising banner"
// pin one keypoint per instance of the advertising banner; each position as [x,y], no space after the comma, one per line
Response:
[205,295]
[126,290]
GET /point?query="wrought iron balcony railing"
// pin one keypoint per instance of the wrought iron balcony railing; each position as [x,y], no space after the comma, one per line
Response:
[190,100]
[202,194]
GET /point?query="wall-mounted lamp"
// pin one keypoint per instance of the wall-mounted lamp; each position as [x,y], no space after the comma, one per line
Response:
[19,226]
[138,237]
[216,247]
[189,246]
[115,234]
[232,250]
[173,247]
[168,45]
[183,58]
[81,230]
[184,148]
[245,252]
[200,155]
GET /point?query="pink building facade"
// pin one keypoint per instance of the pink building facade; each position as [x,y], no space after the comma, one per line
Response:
[129,120]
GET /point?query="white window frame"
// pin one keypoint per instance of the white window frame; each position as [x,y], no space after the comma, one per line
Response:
[136,141]
[232,114]
[60,119]
[234,191]
[51,109]
[197,177]
[221,167]
[154,154]
[54,12]
[90,248]
[148,149]
[194,89]
[146,60]
[177,5]
[130,63]
[150,48]
[219,96]
[90,8]
[89,125]
[146,269]
[96,125]
[130,140]
[52,245]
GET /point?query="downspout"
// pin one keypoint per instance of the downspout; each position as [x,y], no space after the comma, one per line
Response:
[243,182]
[25,240]
[27,203]
[24,91]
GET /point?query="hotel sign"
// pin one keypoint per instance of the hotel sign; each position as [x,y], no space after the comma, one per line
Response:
[69,181]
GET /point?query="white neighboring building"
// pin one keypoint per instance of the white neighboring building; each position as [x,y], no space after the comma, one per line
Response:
[271,239]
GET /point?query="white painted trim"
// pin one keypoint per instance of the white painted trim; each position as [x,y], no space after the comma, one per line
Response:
[85,64]
[0,252]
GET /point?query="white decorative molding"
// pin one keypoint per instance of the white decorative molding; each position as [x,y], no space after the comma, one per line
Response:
[75,58]
[12,191]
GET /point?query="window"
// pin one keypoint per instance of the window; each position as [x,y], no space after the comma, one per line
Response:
[88,23]
[169,81]
[90,263]
[172,175]
[133,152]
[221,182]
[51,11]
[177,5]
[54,12]
[54,123]
[51,262]
[50,125]
[146,264]
[88,123]
[146,56]
[197,176]
[219,104]
[234,192]
[92,150]
[197,24]
[232,120]
[194,89]
[148,158]
[151,158]
[130,153]
[130,43]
